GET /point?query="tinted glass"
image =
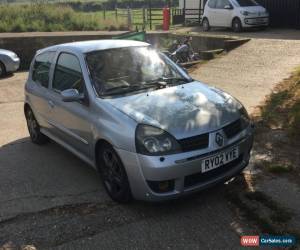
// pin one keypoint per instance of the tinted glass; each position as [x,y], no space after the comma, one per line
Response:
[212,3]
[41,68]
[222,3]
[68,74]
[116,71]
[245,3]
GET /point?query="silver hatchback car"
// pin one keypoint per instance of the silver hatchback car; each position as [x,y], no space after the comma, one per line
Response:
[151,131]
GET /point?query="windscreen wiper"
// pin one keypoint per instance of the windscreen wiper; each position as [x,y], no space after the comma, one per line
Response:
[125,89]
[168,80]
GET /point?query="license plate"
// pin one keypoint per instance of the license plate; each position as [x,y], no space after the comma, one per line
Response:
[220,159]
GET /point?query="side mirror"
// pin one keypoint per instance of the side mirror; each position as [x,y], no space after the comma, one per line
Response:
[71,95]
[228,7]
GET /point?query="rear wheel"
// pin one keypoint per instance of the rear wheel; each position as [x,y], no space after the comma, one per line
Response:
[113,174]
[2,70]
[237,25]
[205,24]
[34,128]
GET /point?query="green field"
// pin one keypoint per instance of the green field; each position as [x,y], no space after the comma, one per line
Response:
[55,17]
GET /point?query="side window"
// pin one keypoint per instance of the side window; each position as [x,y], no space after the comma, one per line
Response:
[41,68]
[212,4]
[68,74]
[220,4]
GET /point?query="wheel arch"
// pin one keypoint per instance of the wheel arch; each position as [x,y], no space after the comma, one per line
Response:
[99,143]
[203,18]
[26,107]
[234,18]
[3,64]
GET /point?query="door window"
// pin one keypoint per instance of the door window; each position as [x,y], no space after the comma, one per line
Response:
[41,68]
[68,74]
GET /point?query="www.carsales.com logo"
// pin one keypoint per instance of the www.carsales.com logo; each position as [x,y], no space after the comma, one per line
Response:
[268,240]
[250,241]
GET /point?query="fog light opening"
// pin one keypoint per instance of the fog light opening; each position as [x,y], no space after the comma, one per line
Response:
[161,186]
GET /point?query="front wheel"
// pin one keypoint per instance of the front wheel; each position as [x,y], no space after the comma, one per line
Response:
[34,128]
[237,25]
[113,174]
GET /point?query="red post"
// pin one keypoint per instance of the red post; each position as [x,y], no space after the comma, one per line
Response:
[166,18]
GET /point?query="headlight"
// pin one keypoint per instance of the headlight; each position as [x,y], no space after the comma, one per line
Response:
[13,55]
[150,140]
[245,13]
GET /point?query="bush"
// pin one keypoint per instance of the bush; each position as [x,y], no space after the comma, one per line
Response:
[49,17]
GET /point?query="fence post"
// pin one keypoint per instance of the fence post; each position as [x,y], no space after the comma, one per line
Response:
[116,14]
[144,18]
[184,5]
[104,13]
[150,15]
[129,19]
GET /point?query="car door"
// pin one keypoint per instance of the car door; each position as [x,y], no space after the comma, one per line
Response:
[223,13]
[210,12]
[70,119]
[39,79]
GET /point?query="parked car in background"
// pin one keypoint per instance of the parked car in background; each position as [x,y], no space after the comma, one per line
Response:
[235,14]
[9,62]
[129,111]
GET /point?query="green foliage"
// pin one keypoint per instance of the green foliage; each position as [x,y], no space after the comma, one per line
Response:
[50,17]
[282,107]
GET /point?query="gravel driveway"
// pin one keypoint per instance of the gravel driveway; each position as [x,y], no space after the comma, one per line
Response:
[252,70]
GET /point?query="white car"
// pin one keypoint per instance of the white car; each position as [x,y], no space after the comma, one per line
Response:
[237,14]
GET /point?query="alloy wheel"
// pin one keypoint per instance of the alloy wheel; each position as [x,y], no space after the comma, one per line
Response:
[112,173]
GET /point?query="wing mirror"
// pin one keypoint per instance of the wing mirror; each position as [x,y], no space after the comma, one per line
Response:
[228,7]
[71,95]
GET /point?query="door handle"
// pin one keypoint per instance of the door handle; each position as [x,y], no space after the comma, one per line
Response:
[51,104]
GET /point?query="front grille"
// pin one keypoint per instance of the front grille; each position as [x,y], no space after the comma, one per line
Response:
[194,143]
[196,179]
[233,128]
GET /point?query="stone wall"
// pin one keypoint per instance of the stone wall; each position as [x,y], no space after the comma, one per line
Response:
[26,44]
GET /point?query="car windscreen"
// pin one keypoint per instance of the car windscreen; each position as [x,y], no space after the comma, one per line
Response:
[126,70]
[247,3]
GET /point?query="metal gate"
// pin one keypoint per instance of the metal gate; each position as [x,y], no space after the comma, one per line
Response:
[188,15]
[177,16]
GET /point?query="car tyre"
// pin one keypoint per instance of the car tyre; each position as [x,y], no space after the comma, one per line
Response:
[237,25]
[34,128]
[205,25]
[113,174]
[2,70]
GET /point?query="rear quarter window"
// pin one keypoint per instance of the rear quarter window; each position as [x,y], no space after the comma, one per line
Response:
[212,4]
[41,68]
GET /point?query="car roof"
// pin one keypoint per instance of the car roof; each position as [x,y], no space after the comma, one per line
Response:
[88,46]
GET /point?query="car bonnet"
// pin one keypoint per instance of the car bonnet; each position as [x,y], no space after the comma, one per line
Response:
[183,110]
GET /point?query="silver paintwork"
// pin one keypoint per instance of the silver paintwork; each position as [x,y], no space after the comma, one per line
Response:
[184,110]
[10,60]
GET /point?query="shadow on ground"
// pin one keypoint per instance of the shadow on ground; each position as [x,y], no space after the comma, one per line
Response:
[50,198]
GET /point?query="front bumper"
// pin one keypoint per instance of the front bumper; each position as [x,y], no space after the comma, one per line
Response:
[183,168]
[12,65]
[256,21]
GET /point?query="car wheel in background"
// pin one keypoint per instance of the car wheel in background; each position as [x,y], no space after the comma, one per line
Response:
[237,25]
[34,128]
[205,24]
[2,70]
[113,174]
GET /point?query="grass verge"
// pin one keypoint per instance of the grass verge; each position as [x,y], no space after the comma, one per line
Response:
[50,17]
[282,107]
